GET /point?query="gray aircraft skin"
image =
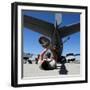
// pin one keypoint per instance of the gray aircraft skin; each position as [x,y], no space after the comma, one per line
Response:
[51,32]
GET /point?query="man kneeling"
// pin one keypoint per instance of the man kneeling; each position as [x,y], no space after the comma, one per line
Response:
[48,63]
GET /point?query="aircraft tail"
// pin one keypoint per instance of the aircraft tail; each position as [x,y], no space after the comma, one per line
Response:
[58,19]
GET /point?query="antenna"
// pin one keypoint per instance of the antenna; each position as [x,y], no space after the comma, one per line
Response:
[66,39]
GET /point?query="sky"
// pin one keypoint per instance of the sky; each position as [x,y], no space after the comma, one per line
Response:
[30,38]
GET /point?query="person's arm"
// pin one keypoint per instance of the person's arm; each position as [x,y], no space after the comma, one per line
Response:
[42,54]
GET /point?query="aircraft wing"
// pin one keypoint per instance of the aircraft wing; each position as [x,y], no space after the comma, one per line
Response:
[68,30]
[37,25]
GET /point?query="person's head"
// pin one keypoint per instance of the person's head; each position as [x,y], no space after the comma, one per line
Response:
[48,55]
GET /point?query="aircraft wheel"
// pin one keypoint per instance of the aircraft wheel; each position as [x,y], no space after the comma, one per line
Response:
[62,60]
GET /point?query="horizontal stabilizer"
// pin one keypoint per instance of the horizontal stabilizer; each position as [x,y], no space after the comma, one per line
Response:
[68,30]
[38,25]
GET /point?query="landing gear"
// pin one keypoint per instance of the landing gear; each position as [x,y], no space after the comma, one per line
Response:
[63,69]
[62,60]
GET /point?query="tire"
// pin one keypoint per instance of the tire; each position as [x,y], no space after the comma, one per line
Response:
[62,60]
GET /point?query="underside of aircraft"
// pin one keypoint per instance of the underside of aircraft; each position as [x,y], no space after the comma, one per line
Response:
[48,30]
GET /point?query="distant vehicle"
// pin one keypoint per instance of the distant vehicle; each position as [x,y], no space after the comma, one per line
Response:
[70,57]
[27,60]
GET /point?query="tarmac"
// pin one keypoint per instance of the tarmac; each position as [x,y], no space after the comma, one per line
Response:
[33,70]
